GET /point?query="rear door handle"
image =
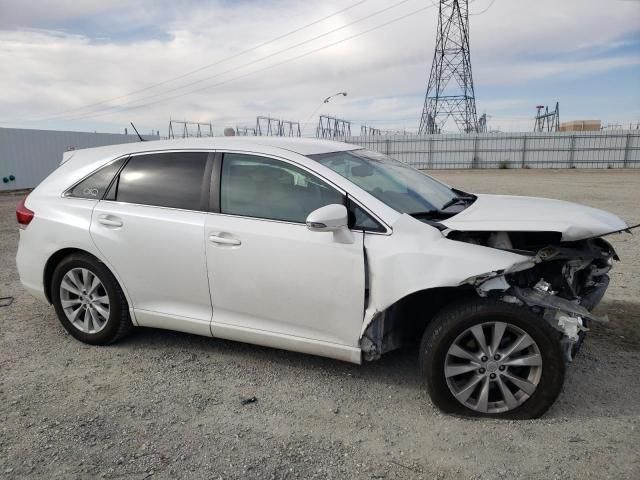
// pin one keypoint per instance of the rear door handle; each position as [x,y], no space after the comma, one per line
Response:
[109,221]
[223,240]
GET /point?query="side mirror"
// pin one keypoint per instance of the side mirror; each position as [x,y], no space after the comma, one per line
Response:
[331,218]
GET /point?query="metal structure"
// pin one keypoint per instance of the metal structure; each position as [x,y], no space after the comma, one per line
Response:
[482,123]
[274,127]
[184,129]
[547,121]
[450,91]
[331,127]
[368,131]
[245,131]
[600,149]
[289,128]
[267,126]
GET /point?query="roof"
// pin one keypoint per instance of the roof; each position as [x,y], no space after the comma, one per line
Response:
[302,146]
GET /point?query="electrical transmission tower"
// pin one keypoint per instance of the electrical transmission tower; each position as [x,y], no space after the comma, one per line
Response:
[482,123]
[184,129]
[366,131]
[547,121]
[330,127]
[245,131]
[274,127]
[450,92]
[267,126]
[289,128]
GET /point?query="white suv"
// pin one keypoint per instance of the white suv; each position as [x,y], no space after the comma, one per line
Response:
[323,248]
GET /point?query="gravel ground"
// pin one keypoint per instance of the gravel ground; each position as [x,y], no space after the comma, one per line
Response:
[164,404]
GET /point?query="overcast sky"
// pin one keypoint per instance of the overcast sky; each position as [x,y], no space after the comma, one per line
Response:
[57,57]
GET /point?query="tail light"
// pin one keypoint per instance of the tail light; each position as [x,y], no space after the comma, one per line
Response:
[23,214]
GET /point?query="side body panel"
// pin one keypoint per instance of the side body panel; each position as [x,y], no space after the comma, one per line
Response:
[58,223]
[418,257]
[160,254]
[285,286]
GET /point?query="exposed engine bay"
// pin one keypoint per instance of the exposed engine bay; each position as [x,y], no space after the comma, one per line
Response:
[562,281]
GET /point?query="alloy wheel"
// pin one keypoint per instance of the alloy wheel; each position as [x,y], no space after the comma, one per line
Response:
[84,300]
[493,367]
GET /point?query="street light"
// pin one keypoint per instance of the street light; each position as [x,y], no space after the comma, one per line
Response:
[326,100]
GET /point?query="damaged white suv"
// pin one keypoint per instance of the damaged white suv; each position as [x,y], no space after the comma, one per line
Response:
[324,248]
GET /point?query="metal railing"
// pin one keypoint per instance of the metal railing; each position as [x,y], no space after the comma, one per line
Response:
[604,149]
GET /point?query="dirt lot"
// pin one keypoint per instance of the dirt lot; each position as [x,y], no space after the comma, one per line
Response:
[168,405]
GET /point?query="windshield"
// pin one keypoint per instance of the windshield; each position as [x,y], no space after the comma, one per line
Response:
[401,187]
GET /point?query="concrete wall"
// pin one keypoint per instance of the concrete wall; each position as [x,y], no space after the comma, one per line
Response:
[31,155]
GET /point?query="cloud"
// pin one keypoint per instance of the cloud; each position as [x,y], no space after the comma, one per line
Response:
[63,55]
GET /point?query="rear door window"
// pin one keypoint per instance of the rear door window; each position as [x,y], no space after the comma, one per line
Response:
[175,180]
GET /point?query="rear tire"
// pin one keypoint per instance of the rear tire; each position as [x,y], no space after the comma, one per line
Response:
[88,300]
[510,382]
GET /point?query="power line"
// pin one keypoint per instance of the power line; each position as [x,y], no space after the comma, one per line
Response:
[483,11]
[239,67]
[268,67]
[205,67]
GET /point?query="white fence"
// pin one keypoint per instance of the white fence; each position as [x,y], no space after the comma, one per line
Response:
[605,149]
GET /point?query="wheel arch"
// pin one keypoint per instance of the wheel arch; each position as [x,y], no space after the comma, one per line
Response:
[404,321]
[54,260]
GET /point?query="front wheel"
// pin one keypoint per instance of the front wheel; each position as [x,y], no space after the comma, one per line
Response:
[488,358]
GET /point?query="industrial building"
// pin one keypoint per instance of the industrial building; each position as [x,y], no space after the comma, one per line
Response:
[581,126]
[28,156]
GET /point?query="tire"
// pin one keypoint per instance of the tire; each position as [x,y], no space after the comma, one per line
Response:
[106,306]
[450,373]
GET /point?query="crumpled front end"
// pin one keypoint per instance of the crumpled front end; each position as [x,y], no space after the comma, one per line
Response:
[562,283]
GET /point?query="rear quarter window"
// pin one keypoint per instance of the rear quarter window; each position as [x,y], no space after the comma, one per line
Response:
[96,184]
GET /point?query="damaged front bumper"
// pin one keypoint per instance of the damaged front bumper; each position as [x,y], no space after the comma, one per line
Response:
[580,281]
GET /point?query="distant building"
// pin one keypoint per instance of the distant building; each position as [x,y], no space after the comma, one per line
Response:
[28,156]
[581,126]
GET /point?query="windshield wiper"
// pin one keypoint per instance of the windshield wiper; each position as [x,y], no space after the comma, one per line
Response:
[427,217]
[455,200]
[426,213]
[429,214]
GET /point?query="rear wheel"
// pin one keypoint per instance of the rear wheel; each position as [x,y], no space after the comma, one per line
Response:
[88,300]
[488,358]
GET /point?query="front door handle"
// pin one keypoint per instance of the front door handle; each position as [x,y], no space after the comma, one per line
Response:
[223,240]
[109,221]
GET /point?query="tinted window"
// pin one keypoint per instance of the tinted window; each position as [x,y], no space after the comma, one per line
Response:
[261,187]
[174,180]
[97,183]
[361,220]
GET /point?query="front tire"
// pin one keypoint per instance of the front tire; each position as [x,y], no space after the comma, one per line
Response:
[88,300]
[486,358]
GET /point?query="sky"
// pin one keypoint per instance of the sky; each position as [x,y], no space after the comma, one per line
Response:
[96,65]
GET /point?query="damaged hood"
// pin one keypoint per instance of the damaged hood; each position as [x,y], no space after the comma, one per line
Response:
[506,213]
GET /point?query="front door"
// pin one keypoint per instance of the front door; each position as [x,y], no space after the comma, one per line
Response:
[268,273]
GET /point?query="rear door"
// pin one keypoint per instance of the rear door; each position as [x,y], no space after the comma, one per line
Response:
[269,273]
[150,228]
